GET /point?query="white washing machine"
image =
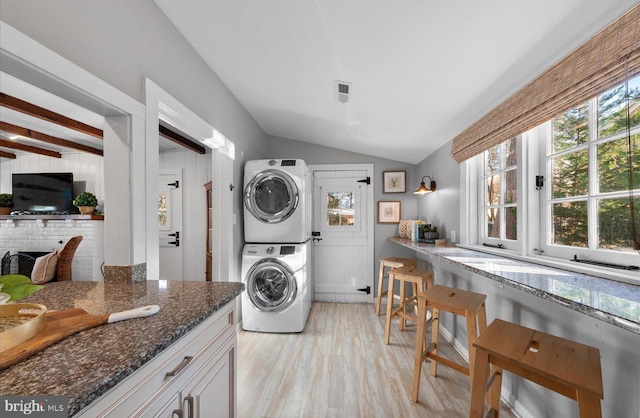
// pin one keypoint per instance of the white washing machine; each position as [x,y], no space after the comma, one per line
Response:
[277,201]
[277,297]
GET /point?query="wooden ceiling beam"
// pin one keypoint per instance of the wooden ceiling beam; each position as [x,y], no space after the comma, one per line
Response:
[18,105]
[39,136]
[7,155]
[181,140]
[28,148]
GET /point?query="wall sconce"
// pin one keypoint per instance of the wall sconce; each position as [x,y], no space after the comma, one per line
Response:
[423,189]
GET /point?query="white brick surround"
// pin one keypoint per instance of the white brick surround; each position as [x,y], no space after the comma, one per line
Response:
[52,235]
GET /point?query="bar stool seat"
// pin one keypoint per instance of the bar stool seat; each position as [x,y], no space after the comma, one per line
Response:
[567,367]
[391,263]
[460,302]
[420,280]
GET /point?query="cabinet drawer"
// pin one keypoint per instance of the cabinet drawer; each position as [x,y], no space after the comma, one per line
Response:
[158,381]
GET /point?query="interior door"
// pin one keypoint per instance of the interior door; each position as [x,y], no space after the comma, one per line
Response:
[170,223]
[341,236]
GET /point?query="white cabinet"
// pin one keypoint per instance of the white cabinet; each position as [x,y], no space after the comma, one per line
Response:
[195,377]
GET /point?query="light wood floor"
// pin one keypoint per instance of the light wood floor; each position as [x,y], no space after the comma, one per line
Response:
[340,367]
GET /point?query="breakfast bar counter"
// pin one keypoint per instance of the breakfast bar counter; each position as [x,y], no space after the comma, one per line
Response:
[610,301]
[87,365]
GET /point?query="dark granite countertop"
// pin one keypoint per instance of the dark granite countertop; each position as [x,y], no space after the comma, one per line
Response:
[614,302]
[86,365]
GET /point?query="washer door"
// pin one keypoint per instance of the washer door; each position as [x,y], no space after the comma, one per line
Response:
[271,196]
[271,285]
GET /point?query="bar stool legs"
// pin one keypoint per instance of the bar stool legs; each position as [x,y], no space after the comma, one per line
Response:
[460,302]
[420,279]
[391,263]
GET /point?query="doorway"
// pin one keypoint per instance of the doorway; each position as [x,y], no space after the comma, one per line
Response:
[343,232]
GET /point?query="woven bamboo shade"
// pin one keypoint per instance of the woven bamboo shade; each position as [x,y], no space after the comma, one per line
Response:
[606,60]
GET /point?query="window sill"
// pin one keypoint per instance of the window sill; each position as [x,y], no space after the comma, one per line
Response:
[606,298]
[625,276]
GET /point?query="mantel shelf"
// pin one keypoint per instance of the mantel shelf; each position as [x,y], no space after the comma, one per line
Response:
[76,217]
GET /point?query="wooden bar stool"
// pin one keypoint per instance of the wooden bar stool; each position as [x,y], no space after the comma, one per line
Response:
[391,263]
[460,302]
[569,368]
[417,277]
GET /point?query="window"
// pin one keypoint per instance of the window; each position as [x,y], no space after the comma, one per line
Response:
[499,184]
[589,166]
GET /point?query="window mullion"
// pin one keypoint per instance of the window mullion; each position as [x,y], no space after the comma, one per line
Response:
[592,205]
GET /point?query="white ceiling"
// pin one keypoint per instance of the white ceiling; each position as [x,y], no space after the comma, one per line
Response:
[422,70]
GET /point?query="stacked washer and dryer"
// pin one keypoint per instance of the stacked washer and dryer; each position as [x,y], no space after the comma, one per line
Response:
[276,260]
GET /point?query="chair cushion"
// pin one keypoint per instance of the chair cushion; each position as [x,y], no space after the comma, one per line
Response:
[44,268]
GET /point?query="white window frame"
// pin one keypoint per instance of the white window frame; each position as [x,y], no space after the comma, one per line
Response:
[533,208]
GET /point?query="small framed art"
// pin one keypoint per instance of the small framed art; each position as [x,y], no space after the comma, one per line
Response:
[394,181]
[389,212]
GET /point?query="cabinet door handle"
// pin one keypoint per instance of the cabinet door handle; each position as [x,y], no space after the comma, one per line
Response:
[180,366]
[189,401]
[177,412]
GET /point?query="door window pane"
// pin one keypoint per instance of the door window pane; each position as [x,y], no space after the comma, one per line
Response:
[571,174]
[570,226]
[340,209]
[162,209]
[570,129]
[614,223]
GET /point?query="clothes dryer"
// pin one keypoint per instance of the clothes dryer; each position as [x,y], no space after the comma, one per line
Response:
[276,297]
[277,201]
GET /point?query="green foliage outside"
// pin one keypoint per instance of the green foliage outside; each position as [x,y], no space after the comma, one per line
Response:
[571,170]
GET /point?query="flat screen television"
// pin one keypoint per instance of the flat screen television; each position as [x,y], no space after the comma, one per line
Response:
[43,192]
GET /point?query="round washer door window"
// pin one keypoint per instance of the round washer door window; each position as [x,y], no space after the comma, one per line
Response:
[271,285]
[271,196]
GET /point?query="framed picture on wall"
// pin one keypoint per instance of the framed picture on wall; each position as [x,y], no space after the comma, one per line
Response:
[394,181]
[388,212]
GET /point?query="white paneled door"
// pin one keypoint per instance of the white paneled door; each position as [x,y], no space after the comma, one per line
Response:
[343,235]
[170,189]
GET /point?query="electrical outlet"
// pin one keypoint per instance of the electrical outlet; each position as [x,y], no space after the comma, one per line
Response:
[453,237]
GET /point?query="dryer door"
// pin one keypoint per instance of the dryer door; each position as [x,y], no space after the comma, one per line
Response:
[271,285]
[271,196]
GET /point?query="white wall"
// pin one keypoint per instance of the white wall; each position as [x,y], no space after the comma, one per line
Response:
[618,347]
[87,168]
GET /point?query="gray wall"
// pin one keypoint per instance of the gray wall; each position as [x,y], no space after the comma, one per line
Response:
[122,41]
[618,347]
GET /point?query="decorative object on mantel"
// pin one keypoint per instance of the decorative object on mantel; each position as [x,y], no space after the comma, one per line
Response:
[423,189]
[394,181]
[6,203]
[86,202]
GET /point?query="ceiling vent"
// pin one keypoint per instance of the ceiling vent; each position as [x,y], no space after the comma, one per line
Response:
[343,91]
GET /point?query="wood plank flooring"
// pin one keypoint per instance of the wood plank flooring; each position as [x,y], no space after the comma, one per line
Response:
[340,367]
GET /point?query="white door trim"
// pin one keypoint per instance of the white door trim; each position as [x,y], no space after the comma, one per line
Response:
[369,206]
[160,105]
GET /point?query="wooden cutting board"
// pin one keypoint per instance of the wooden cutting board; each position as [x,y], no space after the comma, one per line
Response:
[63,323]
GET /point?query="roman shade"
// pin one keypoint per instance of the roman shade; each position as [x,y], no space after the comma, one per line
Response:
[607,59]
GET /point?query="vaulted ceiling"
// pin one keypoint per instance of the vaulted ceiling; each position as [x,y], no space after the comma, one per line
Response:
[421,70]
